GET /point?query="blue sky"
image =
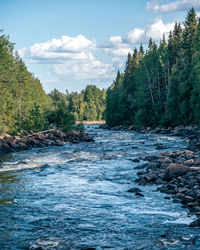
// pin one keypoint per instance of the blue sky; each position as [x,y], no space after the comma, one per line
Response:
[69,44]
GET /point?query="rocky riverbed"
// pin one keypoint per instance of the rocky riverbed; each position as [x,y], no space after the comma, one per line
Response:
[177,173]
[75,196]
[51,137]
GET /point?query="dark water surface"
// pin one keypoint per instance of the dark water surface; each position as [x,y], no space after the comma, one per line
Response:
[75,197]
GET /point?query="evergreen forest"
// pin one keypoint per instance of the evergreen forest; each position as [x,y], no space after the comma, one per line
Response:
[160,86]
[24,105]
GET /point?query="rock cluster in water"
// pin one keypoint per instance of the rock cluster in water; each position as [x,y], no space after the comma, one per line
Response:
[52,137]
[177,173]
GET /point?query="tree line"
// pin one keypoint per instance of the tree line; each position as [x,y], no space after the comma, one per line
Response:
[24,105]
[160,86]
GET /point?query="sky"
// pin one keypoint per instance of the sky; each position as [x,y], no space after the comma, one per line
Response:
[69,44]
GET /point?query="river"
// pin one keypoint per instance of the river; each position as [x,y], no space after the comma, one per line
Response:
[75,197]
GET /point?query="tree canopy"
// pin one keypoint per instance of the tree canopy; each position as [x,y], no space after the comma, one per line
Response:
[160,86]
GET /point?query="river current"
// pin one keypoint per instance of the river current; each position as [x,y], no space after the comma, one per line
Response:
[75,197]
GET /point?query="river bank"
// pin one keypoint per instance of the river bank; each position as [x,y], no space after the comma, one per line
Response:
[176,172]
[52,137]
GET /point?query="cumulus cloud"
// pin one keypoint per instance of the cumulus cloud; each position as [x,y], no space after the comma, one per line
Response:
[73,57]
[69,56]
[85,69]
[155,30]
[116,47]
[135,36]
[58,49]
[159,6]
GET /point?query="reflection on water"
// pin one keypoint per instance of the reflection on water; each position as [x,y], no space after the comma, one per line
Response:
[9,182]
[75,197]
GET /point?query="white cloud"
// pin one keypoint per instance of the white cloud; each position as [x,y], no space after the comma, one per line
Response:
[72,57]
[159,6]
[66,48]
[116,47]
[155,30]
[135,36]
[69,56]
[85,69]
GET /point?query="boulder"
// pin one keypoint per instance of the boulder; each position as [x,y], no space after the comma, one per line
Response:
[134,160]
[139,194]
[195,223]
[40,137]
[175,170]
[5,149]
[59,143]
[134,190]
[150,176]
[14,145]
[189,162]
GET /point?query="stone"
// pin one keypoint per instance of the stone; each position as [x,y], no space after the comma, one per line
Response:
[189,162]
[166,160]
[134,190]
[135,160]
[59,143]
[150,176]
[150,158]
[195,169]
[187,199]
[40,136]
[14,145]
[5,149]
[175,170]
[139,194]
[195,223]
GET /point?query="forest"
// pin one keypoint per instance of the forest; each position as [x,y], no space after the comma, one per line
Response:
[24,105]
[160,86]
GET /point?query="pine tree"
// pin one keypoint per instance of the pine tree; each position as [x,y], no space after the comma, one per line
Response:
[185,84]
[195,77]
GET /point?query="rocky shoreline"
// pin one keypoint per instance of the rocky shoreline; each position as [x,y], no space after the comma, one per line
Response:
[177,173]
[52,137]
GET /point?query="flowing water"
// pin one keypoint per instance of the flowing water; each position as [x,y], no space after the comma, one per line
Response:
[75,197]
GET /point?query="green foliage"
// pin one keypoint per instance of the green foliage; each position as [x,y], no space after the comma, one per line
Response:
[162,85]
[23,101]
[89,105]
[58,114]
[80,127]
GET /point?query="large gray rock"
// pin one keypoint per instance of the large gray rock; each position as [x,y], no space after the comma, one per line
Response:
[174,170]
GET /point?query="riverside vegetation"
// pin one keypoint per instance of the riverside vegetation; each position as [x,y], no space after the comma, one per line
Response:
[25,105]
[25,108]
